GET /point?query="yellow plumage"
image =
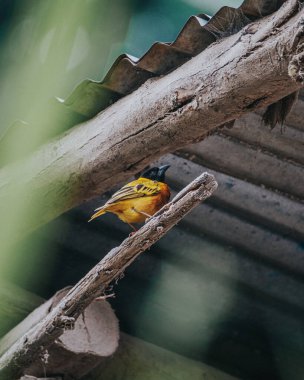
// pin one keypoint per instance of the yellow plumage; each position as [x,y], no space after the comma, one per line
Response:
[136,201]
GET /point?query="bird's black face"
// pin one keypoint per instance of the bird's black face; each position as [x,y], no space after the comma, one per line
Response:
[156,174]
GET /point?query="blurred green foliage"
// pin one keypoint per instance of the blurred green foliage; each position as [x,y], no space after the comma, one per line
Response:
[48,47]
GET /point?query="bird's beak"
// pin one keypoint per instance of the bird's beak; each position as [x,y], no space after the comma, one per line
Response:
[161,172]
[163,168]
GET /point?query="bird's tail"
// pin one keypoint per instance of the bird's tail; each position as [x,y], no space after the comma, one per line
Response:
[99,212]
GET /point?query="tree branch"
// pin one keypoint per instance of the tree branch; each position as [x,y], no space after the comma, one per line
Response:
[27,349]
[250,69]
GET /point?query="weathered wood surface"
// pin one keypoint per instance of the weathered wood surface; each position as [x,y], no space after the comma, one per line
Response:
[138,360]
[230,78]
[95,335]
[26,350]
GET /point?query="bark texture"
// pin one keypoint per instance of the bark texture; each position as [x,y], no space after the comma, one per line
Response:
[34,343]
[253,68]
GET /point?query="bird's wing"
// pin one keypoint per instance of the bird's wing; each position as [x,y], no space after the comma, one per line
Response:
[136,189]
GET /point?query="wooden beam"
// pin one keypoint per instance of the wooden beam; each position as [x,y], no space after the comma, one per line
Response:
[230,78]
[26,349]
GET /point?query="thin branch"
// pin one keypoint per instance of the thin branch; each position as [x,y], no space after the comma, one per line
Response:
[95,283]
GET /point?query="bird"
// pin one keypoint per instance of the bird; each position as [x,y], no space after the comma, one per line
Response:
[140,199]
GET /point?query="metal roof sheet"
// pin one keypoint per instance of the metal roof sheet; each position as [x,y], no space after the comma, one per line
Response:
[128,73]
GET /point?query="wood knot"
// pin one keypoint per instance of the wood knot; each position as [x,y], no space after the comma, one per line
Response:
[183,97]
[66,323]
[159,229]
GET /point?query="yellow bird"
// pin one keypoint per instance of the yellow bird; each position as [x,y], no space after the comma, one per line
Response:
[139,199]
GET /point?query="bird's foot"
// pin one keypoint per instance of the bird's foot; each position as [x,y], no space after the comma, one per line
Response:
[133,228]
[104,297]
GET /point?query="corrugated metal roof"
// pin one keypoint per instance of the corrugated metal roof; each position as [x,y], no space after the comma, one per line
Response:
[128,72]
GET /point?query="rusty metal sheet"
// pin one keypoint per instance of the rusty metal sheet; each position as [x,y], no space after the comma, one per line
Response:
[128,73]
